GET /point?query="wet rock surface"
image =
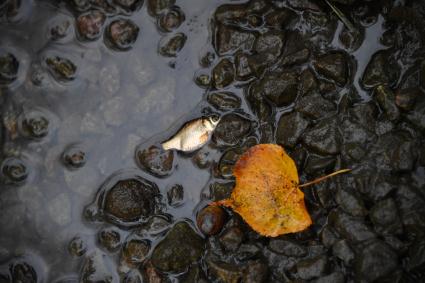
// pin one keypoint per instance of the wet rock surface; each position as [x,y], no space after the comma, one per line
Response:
[180,247]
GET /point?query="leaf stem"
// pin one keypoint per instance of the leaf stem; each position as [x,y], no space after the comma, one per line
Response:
[324,177]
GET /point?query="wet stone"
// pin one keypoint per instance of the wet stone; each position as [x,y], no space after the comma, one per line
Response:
[395,152]
[224,100]
[242,66]
[129,5]
[74,157]
[231,129]
[312,268]
[350,202]
[9,67]
[121,34]
[230,39]
[269,46]
[336,277]
[171,46]
[175,195]
[227,162]
[324,137]
[180,247]
[220,191]
[342,250]
[223,74]
[289,129]
[155,226]
[98,268]
[156,7]
[135,252]
[375,259]
[352,40]
[14,171]
[231,239]
[405,99]
[333,66]
[131,200]
[210,220]
[90,25]
[280,19]
[281,89]
[22,272]
[156,161]
[296,58]
[255,272]
[35,125]
[350,228]
[328,236]
[386,100]
[381,70]
[110,239]
[315,106]
[77,247]
[224,272]
[287,247]
[61,68]
[385,218]
[308,82]
[417,115]
[171,19]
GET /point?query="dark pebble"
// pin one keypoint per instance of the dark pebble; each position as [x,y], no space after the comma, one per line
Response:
[156,161]
[312,268]
[210,220]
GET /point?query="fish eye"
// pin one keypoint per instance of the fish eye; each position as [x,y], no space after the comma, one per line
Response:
[214,118]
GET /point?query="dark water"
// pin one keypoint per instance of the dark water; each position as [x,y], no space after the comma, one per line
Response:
[117,101]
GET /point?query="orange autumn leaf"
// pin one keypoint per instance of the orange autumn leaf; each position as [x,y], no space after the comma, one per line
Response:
[267,193]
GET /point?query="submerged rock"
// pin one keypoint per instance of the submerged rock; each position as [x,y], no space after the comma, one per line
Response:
[333,66]
[224,100]
[290,128]
[156,161]
[110,239]
[9,67]
[90,24]
[223,74]
[180,247]
[171,46]
[121,34]
[61,68]
[229,40]
[281,89]
[381,70]
[14,171]
[98,268]
[386,100]
[128,200]
[315,106]
[324,137]
[171,19]
[375,259]
[312,268]
[231,129]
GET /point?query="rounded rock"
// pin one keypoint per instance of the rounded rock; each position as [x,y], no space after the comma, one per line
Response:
[156,161]
[77,247]
[210,220]
[9,67]
[110,239]
[62,69]
[121,34]
[74,157]
[90,24]
[171,19]
[14,170]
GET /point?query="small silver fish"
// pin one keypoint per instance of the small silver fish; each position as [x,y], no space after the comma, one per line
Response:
[193,135]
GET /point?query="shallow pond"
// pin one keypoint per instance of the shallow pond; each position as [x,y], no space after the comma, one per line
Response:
[90,88]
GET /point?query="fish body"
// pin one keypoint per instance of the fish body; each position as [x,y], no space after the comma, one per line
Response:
[193,135]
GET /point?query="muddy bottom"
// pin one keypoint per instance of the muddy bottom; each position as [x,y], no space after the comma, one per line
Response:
[90,88]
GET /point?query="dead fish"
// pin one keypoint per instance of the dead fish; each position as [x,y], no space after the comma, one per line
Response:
[193,135]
